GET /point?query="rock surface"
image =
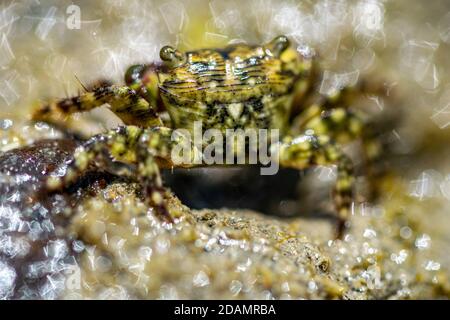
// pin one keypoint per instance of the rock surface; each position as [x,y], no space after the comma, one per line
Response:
[98,240]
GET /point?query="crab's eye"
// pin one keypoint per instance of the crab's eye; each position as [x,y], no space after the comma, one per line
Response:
[135,73]
[172,57]
[277,46]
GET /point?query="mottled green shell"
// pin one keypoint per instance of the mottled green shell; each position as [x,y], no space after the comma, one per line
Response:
[239,86]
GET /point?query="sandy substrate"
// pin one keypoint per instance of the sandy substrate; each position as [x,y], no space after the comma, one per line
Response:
[98,240]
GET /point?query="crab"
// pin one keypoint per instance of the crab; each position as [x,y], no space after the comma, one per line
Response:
[270,86]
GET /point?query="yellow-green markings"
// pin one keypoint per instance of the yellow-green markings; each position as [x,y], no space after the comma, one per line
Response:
[237,87]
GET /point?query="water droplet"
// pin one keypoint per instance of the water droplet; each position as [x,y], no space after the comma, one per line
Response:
[5,124]
[103,264]
[7,280]
[201,279]
[78,246]
[426,186]
[306,51]
[373,277]
[369,233]
[405,232]
[235,287]
[162,245]
[167,292]
[400,257]
[145,253]
[432,265]
[423,242]
[56,249]
[285,286]
[312,286]
[332,82]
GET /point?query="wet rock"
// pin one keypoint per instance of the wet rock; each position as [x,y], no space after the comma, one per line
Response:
[107,244]
[35,248]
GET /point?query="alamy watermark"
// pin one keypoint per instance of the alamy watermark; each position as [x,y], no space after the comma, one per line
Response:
[73,21]
[72,277]
[236,146]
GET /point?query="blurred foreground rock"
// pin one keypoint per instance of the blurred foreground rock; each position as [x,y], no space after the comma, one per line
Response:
[98,241]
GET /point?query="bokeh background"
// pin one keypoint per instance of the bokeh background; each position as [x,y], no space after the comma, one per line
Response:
[406,41]
[45,54]
[403,42]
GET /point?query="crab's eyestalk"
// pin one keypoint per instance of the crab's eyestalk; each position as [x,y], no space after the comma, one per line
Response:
[172,57]
[135,73]
[277,46]
[143,78]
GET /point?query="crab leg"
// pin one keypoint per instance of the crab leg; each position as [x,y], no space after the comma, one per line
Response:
[305,151]
[122,100]
[345,125]
[141,151]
